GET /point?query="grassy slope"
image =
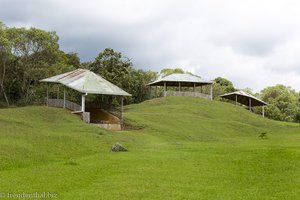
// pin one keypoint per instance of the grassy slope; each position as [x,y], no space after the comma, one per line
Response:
[188,149]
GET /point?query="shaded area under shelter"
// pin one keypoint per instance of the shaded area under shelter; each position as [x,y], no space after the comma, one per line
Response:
[180,81]
[245,99]
[87,82]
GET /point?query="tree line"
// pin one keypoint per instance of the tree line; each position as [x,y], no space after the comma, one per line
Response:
[29,55]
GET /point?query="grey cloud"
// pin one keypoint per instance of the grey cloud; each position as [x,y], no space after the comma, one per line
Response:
[211,38]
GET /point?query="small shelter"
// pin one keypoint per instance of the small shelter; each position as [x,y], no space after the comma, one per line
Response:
[85,82]
[245,99]
[182,80]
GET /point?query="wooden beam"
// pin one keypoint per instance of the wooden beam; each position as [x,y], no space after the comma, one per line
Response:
[165,86]
[194,87]
[263,111]
[236,99]
[211,92]
[58,92]
[64,97]
[250,108]
[47,99]
[179,86]
[122,117]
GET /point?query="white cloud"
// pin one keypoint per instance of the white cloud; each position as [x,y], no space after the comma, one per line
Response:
[253,43]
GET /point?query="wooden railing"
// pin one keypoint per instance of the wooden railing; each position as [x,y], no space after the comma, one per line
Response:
[190,94]
[60,103]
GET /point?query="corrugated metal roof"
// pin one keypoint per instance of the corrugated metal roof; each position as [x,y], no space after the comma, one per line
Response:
[86,81]
[182,78]
[241,93]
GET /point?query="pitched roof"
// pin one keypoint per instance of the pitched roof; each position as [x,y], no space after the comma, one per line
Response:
[243,98]
[183,79]
[85,81]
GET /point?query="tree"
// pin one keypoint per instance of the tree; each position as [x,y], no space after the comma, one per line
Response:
[169,71]
[4,59]
[113,67]
[35,55]
[73,60]
[139,89]
[283,103]
[222,86]
[119,70]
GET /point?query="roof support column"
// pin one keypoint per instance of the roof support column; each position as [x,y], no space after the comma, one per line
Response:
[194,87]
[83,102]
[47,98]
[201,89]
[236,99]
[122,118]
[179,88]
[211,92]
[155,91]
[64,97]
[57,96]
[165,87]
[250,104]
[263,111]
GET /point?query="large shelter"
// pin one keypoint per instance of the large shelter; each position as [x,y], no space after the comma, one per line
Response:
[86,82]
[181,80]
[245,99]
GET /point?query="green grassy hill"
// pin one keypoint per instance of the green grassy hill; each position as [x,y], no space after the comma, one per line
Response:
[179,148]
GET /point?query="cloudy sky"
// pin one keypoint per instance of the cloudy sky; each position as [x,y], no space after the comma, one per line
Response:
[253,43]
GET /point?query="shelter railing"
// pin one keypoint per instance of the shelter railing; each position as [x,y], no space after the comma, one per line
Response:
[60,103]
[190,94]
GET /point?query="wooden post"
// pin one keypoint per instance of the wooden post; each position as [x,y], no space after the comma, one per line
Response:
[179,87]
[165,86]
[122,118]
[194,87]
[156,91]
[201,89]
[250,104]
[57,92]
[211,92]
[236,99]
[47,100]
[64,97]
[263,111]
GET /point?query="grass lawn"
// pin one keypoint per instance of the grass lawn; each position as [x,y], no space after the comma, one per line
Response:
[182,148]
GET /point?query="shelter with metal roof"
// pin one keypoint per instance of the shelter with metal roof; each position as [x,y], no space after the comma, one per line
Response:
[245,98]
[85,82]
[182,80]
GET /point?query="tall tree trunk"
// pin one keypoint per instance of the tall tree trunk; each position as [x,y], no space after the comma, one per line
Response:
[2,83]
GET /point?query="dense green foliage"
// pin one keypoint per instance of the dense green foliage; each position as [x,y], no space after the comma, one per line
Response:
[222,86]
[28,55]
[284,103]
[119,70]
[182,148]
[168,71]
